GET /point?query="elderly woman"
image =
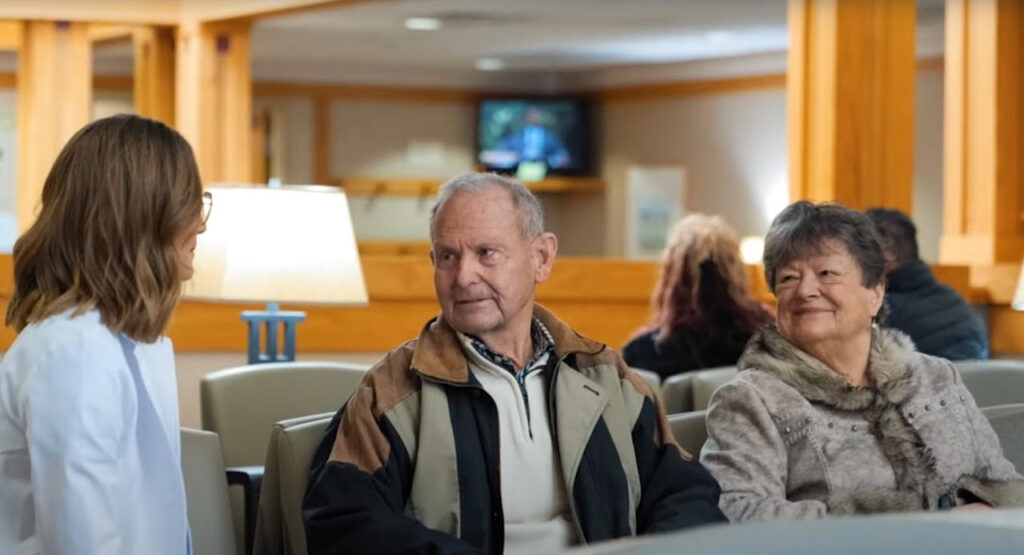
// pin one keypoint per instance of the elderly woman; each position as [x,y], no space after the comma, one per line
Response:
[832,414]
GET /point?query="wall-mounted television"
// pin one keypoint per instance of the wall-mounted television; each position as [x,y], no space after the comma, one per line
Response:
[550,135]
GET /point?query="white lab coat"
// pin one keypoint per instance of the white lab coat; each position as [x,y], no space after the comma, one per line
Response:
[90,455]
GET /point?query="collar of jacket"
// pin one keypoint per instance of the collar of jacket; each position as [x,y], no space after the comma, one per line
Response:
[891,353]
[438,353]
[910,276]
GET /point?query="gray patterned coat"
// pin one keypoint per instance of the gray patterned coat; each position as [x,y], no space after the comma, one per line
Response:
[789,438]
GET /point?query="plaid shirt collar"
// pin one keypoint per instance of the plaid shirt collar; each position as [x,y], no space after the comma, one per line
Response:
[543,348]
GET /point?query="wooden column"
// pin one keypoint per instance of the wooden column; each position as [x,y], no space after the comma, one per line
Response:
[153,77]
[54,101]
[850,101]
[214,97]
[983,203]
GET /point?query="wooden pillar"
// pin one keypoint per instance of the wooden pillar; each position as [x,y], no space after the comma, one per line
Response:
[983,202]
[850,101]
[54,101]
[153,77]
[214,97]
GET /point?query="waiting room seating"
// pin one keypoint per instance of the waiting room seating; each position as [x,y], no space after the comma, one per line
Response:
[690,430]
[692,390]
[209,511]
[993,382]
[242,405]
[652,378]
[279,528]
[1008,423]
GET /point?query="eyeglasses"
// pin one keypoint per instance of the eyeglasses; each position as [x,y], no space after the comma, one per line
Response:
[207,206]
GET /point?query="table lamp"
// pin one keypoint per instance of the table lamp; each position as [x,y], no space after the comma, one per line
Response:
[277,244]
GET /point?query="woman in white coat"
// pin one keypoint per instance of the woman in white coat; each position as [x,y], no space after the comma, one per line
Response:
[89,441]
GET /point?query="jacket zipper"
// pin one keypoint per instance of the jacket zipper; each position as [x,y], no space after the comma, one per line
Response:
[573,513]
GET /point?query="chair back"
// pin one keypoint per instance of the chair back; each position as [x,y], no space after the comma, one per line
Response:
[993,382]
[677,393]
[279,526]
[1008,423]
[206,489]
[652,378]
[692,390]
[242,404]
[705,382]
[690,430]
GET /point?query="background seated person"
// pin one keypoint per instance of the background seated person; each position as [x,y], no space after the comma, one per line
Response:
[500,429]
[832,414]
[937,318]
[702,312]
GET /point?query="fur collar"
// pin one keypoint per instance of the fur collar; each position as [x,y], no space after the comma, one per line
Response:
[888,362]
[893,382]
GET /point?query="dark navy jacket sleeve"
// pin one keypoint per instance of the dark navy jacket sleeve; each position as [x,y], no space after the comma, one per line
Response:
[356,495]
[677,492]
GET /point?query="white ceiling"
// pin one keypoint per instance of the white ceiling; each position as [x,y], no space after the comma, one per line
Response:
[546,35]
[544,44]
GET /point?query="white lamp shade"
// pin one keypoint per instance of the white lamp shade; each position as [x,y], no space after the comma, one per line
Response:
[291,244]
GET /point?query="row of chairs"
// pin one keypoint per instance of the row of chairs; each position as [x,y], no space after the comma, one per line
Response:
[279,529]
[991,382]
[244,406]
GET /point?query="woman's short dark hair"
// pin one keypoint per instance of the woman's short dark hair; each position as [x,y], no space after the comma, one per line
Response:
[119,194]
[803,228]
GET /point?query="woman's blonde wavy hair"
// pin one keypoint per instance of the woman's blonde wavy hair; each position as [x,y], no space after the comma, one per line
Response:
[120,193]
[702,276]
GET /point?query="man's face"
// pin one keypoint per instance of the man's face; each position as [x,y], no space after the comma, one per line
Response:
[484,269]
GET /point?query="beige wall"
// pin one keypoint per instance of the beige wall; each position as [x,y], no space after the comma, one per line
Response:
[733,147]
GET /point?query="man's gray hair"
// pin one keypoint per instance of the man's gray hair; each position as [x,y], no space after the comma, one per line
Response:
[531,215]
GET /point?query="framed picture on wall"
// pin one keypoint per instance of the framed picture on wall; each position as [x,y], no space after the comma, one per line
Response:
[654,203]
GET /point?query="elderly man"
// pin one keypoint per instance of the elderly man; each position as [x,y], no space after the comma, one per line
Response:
[937,318]
[500,429]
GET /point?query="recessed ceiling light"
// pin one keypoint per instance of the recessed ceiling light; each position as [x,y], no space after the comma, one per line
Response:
[489,64]
[422,23]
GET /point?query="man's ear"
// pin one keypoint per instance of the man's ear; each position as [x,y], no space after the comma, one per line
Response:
[545,248]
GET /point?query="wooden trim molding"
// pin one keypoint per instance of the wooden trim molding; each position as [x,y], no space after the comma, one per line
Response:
[697,87]
[340,91]
[336,91]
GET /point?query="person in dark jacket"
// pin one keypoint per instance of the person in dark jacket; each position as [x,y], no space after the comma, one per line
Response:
[702,314]
[937,318]
[500,429]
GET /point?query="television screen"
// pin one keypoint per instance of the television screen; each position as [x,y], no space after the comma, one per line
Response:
[538,135]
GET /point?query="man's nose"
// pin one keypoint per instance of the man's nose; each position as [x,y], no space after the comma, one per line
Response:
[467,271]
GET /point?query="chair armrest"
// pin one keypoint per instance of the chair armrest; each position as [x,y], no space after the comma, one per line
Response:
[250,478]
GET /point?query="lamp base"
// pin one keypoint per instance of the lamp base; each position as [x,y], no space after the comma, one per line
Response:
[271,319]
